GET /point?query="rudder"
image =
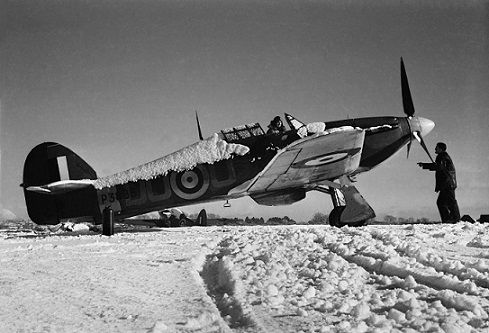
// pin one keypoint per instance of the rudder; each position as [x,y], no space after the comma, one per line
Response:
[50,162]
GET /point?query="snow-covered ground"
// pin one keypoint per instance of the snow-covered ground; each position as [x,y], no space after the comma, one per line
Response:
[379,278]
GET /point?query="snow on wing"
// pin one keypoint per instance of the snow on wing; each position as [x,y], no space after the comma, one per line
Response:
[323,156]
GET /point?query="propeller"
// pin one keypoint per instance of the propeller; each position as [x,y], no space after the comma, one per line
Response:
[419,126]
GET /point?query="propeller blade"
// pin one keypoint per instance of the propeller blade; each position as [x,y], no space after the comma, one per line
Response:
[407,100]
[418,137]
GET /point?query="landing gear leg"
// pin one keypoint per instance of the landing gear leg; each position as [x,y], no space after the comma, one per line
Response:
[108,222]
[339,206]
[356,211]
[350,208]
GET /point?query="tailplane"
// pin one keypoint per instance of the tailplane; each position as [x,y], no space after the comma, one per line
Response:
[49,163]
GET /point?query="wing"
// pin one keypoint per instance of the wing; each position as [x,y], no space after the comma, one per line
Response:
[323,156]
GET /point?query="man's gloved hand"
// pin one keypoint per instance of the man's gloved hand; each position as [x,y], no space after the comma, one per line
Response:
[429,166]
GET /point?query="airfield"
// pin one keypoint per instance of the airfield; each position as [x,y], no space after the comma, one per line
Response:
[296,278]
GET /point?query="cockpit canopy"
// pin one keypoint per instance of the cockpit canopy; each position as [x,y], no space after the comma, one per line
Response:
[242,132]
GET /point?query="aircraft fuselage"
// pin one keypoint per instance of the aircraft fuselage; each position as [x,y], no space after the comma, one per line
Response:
[210,182]
[224,179]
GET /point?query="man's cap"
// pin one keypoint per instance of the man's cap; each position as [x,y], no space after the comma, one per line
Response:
[442,145]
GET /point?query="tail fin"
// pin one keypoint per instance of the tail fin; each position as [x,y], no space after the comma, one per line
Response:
[50,162]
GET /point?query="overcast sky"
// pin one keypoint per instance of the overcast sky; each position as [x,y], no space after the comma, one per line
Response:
[118,83]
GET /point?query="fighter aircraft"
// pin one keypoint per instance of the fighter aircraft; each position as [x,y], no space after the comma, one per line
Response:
[273,169]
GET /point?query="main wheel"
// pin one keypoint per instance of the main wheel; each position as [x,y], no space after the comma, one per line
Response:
[335,217]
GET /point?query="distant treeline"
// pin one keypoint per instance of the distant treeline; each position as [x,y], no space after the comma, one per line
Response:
[401,220]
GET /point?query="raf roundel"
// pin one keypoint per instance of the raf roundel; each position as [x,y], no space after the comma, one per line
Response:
[191,184]
[321,160]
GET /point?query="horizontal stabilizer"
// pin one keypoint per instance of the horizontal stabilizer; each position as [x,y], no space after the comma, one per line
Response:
[61,186]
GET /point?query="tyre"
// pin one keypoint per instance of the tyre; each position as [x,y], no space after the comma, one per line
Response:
[335,217]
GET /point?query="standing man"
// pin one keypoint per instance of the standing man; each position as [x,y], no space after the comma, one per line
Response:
[446,183]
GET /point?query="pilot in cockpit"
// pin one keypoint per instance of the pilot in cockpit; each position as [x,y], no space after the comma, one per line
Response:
[276,126]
